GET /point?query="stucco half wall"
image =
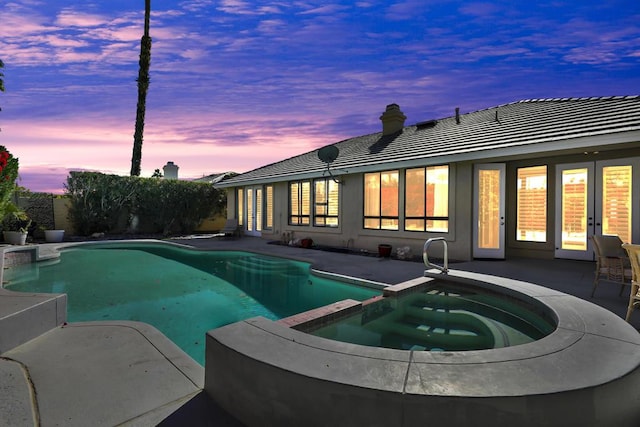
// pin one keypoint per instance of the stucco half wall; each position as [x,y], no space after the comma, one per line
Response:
[585,373]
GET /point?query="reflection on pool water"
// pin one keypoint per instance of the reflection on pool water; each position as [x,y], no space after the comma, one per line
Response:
[180,291]
[444,317]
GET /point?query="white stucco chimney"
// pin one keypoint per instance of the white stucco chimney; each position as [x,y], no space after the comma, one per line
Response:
[392,119]
[170,171]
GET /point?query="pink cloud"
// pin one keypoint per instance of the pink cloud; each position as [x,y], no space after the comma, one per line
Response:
[43,179]
[71,18]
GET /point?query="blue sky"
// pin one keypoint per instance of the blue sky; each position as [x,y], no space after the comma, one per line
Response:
[236,84]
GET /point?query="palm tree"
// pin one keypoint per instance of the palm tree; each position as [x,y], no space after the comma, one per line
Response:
[143,86]
[1,76]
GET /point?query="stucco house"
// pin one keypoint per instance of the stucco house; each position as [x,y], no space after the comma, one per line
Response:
[533,178]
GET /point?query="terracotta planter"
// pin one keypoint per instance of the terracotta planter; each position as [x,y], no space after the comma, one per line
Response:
[384,251]
[53,236]
[15,237]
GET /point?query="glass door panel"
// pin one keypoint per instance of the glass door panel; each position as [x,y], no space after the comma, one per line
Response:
[258,210]
[574,209]
[250,216]
[254,204]
[489,195]
[616,207]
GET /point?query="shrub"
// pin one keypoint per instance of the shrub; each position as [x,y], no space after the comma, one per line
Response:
[8,176]
[172,206]
[98,201]
[109,203]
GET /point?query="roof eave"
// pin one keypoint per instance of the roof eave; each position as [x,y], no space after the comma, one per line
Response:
[530,148]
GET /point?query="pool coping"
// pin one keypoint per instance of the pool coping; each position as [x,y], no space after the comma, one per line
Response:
[100,373]
[512,381]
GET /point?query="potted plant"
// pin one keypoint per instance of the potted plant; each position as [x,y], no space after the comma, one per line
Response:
[15,225]
[384,251]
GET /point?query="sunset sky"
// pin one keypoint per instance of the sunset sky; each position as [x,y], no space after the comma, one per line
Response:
[238,84]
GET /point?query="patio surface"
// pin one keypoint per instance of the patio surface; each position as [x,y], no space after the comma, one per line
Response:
[126,373]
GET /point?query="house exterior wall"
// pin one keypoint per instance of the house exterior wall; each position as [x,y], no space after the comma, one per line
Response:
[351,234]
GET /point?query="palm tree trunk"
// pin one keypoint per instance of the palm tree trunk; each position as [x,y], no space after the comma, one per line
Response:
[143,86]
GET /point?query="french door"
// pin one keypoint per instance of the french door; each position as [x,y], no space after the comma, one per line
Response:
[595,198]
[254,211]
[489,211]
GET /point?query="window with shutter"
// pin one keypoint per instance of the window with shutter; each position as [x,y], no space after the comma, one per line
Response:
[531,223]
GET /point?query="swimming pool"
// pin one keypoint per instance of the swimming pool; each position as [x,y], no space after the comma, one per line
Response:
[181,291]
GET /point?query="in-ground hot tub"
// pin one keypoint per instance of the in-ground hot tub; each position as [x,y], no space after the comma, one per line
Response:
[584,372]
[441,315]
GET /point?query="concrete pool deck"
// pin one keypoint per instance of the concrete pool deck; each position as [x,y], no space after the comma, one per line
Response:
[123,373]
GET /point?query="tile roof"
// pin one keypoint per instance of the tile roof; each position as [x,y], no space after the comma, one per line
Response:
[214,178]
[533,125]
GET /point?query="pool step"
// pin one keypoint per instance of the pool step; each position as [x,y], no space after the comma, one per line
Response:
[447,339]
[260,265]
[260,269]
[434,321]
[24,316]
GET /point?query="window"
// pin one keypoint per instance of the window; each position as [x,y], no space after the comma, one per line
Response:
[326,197]
[240,202]
[268,220]
[427,199]
[381,200]
[300,203]
[325,200]
[532,204]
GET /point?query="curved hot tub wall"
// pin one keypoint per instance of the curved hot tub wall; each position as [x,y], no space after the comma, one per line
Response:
[586,373]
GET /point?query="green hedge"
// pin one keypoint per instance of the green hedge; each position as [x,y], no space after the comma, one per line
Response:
[114,204]
[8,175]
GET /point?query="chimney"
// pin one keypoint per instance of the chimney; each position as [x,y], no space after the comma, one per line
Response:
[392,120]
[170,171]
[457,115]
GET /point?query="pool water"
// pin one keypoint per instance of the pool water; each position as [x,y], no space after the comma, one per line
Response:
[182,292]
[445,317]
